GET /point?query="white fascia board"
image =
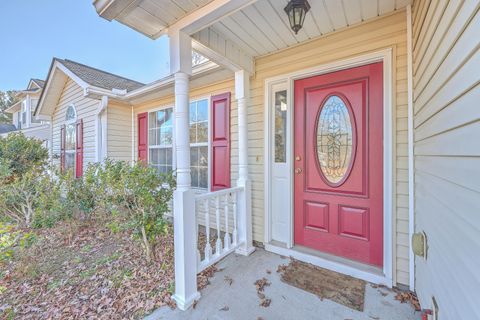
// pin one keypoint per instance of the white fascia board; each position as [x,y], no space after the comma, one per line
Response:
[111,9]
[13,108]
[70,74]
[206,16]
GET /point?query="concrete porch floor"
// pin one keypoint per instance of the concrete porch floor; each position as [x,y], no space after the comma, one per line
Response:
[288,302]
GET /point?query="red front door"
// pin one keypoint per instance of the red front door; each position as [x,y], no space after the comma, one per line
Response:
[339,163]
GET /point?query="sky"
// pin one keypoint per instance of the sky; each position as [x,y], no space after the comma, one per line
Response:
[32,32]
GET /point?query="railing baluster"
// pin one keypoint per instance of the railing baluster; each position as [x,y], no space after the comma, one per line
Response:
[218,249]
[199,257]
[234,232]
[230,239]
[208,247]
[226,239]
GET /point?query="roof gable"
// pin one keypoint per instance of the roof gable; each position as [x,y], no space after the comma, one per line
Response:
[85,76]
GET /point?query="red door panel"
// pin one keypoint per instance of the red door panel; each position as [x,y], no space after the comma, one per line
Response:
[339,163]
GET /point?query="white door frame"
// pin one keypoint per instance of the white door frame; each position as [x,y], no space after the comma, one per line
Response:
[384,56]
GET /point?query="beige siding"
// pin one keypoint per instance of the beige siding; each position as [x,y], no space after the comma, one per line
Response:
[447,154]
[86,110]
[385,32]
[119,132]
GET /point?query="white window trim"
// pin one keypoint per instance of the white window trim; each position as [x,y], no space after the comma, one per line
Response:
[174,158]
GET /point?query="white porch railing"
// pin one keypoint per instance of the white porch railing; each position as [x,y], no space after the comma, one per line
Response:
[218,213]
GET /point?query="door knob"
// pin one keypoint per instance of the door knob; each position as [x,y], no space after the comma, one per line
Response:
[298,170]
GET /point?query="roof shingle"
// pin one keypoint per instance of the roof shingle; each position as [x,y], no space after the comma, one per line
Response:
[99,78]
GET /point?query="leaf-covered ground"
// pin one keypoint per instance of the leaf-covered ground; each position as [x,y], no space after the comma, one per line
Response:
[87,272]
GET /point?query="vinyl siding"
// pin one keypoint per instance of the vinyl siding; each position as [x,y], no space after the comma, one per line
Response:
[380,33]
[447,154]
[119,132]
[86,110]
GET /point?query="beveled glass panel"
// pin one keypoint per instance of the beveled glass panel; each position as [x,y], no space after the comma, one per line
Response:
[334,140]
[280,126]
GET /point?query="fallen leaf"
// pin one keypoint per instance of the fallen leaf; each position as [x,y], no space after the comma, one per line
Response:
[226,308]
[265,303]
[228,280]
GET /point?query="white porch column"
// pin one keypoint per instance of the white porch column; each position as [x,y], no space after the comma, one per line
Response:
[184,221]
[242,94]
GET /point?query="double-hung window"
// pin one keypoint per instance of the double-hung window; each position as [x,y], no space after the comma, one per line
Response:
[160,139]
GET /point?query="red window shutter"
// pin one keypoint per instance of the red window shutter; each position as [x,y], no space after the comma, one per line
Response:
[79,149]
[143,137]
[220,157]
[62,148]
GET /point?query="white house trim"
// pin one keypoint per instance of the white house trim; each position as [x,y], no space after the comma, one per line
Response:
[411,163]
[382,55]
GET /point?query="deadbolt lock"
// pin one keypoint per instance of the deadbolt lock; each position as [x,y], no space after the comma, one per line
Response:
[298,158]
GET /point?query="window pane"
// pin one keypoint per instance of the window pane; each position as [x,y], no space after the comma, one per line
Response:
[194,156]
[203,156]
[202,110]
[166,135]
[194,174]
[203,178]
[153,156]
[169,157]
[193,133]
[160,118]
[70,137]
[202,132]
[70,113]
[152,121]
[280,126]
[69,160]
[151,137]
[193,112]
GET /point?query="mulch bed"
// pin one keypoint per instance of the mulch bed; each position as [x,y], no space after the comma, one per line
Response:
[88,272]
[324,283]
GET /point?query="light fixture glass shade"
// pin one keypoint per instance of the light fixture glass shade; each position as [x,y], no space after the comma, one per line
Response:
[296,11]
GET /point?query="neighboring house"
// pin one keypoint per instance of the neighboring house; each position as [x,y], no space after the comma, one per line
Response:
[23,117]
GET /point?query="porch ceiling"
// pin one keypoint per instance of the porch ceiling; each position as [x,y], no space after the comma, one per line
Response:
[263,27]
[149,17]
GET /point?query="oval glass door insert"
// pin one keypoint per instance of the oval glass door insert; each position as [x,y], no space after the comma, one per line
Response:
[335,140]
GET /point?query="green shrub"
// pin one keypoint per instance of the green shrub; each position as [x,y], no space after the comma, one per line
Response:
[20,155]
[24,198]
[142,196]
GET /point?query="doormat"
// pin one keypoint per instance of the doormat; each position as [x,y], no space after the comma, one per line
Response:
[325,284]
